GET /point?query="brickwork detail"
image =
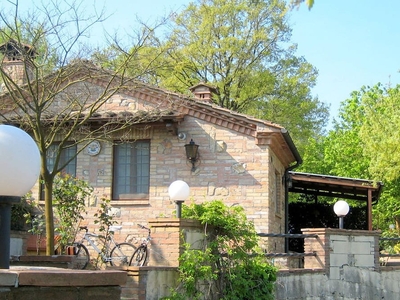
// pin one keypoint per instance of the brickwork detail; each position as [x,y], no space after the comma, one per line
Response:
[214,179]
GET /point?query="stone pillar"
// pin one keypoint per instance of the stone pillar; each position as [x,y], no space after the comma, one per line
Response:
[336,248]
[168,237]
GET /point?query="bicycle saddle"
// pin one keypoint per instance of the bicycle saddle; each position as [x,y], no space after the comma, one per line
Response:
[115,227]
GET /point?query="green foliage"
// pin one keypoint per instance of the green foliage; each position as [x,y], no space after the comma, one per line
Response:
[230,265]
[387,210]
[69,195]
[296,3]
[20,211]
[341,151]
[371,120]
[381,130]
[105,220]
[390,245]
[364,144]
[37,223]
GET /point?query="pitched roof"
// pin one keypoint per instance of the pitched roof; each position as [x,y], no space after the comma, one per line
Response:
[173,107]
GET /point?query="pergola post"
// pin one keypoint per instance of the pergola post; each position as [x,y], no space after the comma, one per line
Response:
[369,210]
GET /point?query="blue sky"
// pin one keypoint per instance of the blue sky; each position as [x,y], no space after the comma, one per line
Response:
[351,43]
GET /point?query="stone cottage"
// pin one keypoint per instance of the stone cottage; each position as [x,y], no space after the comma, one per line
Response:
[241,160]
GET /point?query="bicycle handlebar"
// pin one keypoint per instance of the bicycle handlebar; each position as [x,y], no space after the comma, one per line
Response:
[83,228]
[143,227]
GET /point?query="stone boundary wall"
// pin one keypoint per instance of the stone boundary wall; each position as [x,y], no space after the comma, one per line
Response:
[335,248]
[353,283]
[345,266]
[149,282]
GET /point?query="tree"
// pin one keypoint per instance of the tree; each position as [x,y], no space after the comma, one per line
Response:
[380,134]
[381,130]
[242,47]
[363,144]
[296,3]
[340,151]
[59,93]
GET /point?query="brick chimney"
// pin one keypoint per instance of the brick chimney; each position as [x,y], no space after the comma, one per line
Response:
[203,92]
[17,61]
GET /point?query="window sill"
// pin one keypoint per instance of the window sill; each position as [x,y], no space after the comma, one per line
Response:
[130,202]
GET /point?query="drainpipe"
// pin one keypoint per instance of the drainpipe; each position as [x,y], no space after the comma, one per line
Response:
[286,178]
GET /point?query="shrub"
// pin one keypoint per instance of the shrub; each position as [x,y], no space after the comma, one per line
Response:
[20,212]
[69,195]
[231,265]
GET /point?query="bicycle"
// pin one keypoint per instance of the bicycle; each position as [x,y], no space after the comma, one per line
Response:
[119,255]
[139,257]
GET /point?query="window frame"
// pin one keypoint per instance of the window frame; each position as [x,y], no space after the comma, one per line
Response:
[134,167]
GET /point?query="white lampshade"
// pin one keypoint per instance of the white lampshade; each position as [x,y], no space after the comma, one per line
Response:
[19,161]
[178,190]
[341,208]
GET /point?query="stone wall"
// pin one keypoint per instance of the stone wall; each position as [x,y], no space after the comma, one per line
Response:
[335,248]
[149,283]
[345,266]
[353,283]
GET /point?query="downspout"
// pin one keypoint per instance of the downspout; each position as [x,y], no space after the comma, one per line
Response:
[286,178]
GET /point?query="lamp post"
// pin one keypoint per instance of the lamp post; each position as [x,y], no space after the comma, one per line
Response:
[341,209]
[178,192]
[19,171]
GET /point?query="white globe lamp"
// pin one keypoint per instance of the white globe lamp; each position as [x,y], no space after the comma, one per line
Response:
[341,209]
[178,192]
[19,171]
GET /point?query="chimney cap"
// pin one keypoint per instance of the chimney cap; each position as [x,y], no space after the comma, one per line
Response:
[211,88]
[14,49]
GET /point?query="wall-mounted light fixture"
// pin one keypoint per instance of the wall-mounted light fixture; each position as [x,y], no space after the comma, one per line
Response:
[181,136]
[192,153]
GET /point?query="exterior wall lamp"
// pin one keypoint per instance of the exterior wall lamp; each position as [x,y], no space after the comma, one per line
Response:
[19,171]
[192,153]
[341,209]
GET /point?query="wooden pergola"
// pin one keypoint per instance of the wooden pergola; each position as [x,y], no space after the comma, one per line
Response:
[338,187]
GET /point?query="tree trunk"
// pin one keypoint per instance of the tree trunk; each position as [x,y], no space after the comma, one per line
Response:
[48,212]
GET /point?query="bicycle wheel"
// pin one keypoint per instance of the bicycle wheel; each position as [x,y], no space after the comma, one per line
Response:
[139,257]
[82,257]
[121,254]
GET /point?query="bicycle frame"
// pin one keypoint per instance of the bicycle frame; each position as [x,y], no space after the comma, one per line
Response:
[140,256]
[110,244]
[146,240]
